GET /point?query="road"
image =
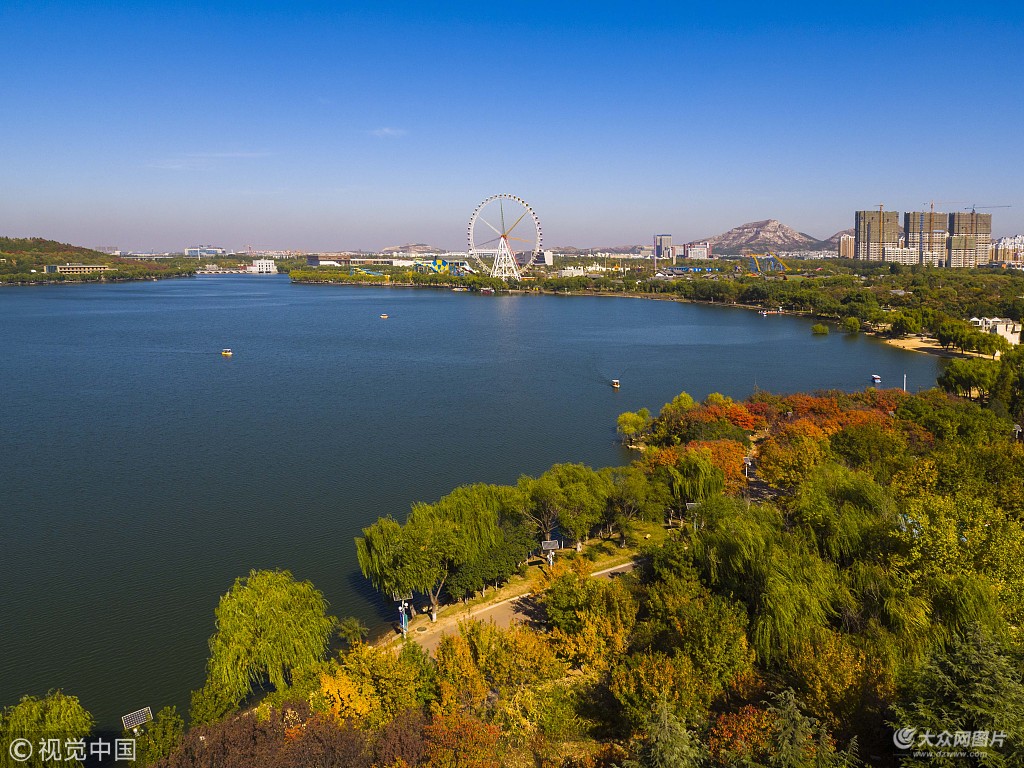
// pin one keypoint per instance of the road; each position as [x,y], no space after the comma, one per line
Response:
[502,614]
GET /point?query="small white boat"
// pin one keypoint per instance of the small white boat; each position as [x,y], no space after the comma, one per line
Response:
[383,317]
[875,379]
[615,383]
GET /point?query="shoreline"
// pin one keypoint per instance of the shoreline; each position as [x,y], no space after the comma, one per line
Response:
[928,345]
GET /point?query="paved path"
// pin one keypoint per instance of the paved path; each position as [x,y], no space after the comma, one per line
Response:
[517,608]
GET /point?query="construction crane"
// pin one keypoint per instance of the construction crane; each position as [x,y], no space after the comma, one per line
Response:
[976,208]
[974,222]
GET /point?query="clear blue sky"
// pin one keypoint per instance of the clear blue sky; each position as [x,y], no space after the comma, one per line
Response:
[362,125]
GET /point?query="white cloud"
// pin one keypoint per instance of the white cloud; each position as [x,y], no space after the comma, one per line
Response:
[388,133]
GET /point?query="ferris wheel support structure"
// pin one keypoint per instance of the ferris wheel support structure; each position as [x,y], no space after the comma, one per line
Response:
[504,265]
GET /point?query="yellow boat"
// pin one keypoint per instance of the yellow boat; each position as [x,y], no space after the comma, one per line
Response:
[383,317]
[227,352]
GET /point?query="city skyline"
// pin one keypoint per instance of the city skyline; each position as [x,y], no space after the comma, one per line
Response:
[317,129]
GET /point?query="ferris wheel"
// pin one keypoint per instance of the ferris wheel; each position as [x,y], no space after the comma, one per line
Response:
[495,239]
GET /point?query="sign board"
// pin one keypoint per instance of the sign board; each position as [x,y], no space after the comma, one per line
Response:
[135,719]
[691,505]
[399,598]
[549,546]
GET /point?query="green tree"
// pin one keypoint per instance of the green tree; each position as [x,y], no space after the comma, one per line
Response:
[632,497]
[268,624]
[799,742]
[694,479]
[668,744]
[903,323]
[210,704]
[631,426]
[973,684]
[819,329]
[577,495]
[55,716]
[851,325]
[384,557]
[435,549]
[160,737]
[971,378]
[352,630]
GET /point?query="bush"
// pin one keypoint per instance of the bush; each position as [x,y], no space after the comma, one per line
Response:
[819,329]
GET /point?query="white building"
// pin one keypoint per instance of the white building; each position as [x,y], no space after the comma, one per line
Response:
[1008,329]
[263,267]
[911,255]
[200,251]
[698,250]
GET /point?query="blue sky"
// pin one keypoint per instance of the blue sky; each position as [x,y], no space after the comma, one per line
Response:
[362,125]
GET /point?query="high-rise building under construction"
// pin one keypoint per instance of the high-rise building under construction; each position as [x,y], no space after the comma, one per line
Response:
[926,233]
[874,231]
[972,233]
[929,238]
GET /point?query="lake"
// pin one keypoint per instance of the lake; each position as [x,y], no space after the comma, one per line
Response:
[141,471]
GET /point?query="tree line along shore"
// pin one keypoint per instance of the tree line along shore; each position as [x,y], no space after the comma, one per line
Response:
[859,574]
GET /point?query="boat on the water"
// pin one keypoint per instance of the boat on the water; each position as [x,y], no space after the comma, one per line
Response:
[487,290]
[383,317]
[615,383]
[226,352]
[460,288]
[875,379]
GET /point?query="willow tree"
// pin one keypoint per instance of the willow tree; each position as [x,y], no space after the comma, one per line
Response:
[435,550]
[435,540]
[268,624]
[55,716]
[384,557]
[693,479]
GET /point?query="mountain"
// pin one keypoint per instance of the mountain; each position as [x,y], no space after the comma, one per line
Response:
[834,240]
[767,235]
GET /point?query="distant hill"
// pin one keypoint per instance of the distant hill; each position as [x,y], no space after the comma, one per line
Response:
[834,240]
[413,248]
[767,235]
[621,249]
[48,251]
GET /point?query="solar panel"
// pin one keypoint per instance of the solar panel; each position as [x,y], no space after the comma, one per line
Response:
[135,719]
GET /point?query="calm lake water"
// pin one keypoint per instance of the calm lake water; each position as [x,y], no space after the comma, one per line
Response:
[141,472]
